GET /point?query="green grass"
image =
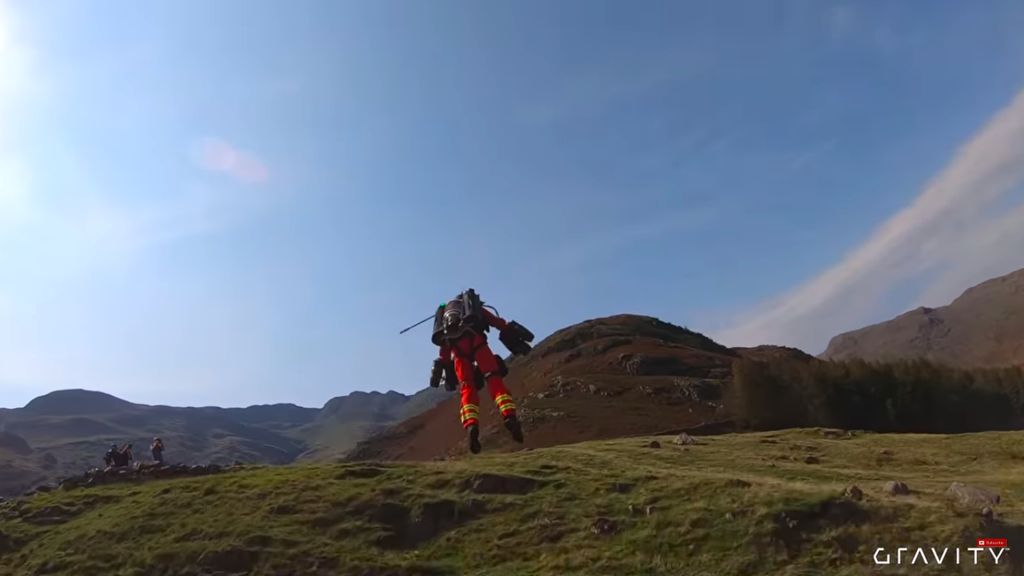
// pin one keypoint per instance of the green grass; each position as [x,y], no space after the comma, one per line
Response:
[335,517]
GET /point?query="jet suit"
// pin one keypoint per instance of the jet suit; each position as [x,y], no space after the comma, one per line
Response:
[460,328]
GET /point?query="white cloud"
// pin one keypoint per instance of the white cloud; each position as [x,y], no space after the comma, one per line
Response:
[16,85]
[985,254]
[956,229]
[15,60]
[110,228]
[217,155]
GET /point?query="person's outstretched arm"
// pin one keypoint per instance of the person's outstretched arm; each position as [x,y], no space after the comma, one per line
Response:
[493,320]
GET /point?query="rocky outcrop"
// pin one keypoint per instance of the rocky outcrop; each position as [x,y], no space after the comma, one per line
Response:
[854,493]
[896,488]
[685,439]
[112,475]
[972,497]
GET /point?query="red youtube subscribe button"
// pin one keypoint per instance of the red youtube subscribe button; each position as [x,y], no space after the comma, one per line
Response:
[992,542]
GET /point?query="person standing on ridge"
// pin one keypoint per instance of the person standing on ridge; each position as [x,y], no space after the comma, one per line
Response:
[158,450]
[460,328]
[128,454]
[120,456]
[109,458]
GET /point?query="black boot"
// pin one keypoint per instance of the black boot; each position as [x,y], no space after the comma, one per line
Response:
[512,425]
[474,438]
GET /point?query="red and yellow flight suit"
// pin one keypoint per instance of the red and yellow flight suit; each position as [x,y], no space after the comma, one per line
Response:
[472,346]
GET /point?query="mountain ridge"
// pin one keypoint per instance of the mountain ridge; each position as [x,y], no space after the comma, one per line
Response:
[983,327]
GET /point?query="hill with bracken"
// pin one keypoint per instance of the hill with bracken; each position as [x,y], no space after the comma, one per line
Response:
[984,327]
[609,377]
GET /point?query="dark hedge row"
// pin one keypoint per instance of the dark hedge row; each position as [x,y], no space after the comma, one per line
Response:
[909,396]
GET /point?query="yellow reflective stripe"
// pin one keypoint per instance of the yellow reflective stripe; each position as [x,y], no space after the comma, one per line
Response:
[504,402]
[469,412]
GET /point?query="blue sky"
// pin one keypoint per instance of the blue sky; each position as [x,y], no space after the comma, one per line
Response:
[243,202]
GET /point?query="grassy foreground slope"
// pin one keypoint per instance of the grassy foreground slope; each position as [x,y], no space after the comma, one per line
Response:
[767,503]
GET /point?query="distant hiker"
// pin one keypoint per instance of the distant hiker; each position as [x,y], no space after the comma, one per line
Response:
[119,458]
[123,456]
[108,458]
[158,450]
[460,328]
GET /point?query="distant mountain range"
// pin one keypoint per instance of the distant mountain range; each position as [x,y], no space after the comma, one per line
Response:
[604,378]
[67,432]
[983,327]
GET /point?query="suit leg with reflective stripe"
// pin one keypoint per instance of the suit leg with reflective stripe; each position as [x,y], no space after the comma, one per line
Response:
[487,363]
[469,409]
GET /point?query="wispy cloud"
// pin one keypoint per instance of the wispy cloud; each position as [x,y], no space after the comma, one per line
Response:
[15,60]
[959,230]
[113,229]
[17,84]
[813,153]
[217,155]
[626,233]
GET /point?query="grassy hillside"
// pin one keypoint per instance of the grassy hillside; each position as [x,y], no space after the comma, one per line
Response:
[767,503]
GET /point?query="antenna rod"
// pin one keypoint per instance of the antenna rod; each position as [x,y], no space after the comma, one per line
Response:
[416,324]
